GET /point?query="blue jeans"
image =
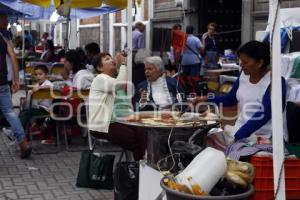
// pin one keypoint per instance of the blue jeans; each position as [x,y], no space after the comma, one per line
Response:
[212,60]
[6,108]
[191,70]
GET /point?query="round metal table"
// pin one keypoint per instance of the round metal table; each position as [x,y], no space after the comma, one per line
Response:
[158,132]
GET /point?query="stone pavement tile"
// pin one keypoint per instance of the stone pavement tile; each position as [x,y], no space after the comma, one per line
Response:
[96,193]
[13,187]
[48,196]
[58,192]
[108,194]
[41,185]
[29,196]
[7,183]
[39,198]
[21,192]
[68,188]
[11,196]
[32,187]
[51,181]
[85,196]
[3,192]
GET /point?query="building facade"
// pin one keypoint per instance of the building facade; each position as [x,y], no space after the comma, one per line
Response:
[255,15]
[109,31]
[199,14]
[238,20]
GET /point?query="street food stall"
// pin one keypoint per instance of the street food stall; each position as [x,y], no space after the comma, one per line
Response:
[163,128]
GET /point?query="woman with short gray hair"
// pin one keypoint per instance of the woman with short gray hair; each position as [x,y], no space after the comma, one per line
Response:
[158,91]
[156,61]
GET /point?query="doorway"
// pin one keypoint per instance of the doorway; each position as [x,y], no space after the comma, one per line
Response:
[227,14]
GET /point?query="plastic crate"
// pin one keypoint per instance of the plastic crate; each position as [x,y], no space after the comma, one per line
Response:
[263,182]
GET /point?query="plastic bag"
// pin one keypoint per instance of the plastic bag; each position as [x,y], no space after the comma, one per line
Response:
[241,173]
[126,181]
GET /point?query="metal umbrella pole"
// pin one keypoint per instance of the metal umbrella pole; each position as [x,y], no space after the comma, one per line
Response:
[66,40]
[129,45]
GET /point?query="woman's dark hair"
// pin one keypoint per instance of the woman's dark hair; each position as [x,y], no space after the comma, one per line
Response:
[97,60]
[170,67]
[189,29]
[61,54]
[43,68]
[139,25]
[73,57]
[81,54]
[50,45]
[176,26]
[92,48]
[256,50]
[213,25]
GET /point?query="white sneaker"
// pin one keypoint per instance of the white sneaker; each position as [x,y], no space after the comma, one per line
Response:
[9,135]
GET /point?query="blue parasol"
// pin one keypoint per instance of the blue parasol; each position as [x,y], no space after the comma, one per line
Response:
[36,12]
[10,11]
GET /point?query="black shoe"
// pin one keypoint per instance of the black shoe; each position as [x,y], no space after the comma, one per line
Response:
[26,153]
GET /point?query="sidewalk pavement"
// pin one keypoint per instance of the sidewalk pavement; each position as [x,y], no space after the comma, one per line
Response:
[43,176]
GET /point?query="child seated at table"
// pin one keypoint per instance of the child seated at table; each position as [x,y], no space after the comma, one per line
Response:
[39,107]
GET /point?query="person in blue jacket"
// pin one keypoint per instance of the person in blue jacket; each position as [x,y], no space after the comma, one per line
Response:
[158,91]
[251,92]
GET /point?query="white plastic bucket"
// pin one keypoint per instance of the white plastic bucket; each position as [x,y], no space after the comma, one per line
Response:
[206,169]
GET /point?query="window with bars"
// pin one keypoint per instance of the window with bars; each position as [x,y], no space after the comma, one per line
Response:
[118,42]
[57,38]
[88,35]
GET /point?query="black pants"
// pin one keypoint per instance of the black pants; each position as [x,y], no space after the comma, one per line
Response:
[127,137]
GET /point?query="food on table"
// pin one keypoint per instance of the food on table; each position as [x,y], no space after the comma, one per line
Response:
[210,116]
[134,118]
[169,118]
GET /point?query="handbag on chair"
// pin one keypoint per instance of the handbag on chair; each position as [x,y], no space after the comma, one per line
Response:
[95,171]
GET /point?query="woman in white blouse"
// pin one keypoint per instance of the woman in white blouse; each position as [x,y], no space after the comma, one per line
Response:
[107,100]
